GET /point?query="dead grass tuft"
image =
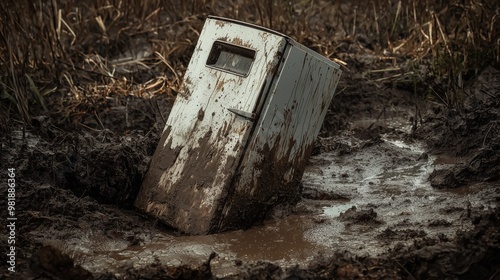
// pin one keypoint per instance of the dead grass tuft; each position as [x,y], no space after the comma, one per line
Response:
[57,54]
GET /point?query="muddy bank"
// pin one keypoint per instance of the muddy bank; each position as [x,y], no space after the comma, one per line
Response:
[472,255]
[368,208]
[472,134]
[383,196]
[66,176]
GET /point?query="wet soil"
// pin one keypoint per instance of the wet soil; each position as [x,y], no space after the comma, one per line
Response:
[383,197]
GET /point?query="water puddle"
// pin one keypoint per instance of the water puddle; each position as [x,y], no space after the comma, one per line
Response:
[334,211]
[400,123]
[279,241]
[387,183]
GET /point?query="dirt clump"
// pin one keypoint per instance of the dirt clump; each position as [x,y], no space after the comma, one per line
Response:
[50,263]
[110,170]
[443,179]
[472,134]
[357,216]
[316,194]
[158,271]
[407,234]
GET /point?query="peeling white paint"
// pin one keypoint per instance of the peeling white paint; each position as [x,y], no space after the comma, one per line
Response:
[251,98]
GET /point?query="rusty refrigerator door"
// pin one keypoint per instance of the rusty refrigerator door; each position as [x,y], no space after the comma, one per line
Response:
[208,129]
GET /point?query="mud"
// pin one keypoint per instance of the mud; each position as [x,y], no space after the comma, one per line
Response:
[381,198]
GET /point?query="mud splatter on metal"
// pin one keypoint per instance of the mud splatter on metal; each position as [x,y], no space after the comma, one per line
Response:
[236,144]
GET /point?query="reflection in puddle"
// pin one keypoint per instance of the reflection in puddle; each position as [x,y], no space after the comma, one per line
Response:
[403,145]
[335,210]
[414,176]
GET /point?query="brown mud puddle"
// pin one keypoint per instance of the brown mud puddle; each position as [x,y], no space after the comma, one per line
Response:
[365,195]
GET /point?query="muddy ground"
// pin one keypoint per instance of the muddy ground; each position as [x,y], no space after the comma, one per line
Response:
[392,190]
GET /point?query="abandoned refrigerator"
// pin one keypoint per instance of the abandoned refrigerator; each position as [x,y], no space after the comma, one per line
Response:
[240,131]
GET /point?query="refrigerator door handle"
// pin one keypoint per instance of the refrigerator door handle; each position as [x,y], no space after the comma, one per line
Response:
[246,115]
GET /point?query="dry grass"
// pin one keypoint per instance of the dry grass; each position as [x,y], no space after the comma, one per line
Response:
[57,55]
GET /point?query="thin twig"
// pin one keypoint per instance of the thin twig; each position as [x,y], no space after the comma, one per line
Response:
[126,114]
[487,93]
[88,127]
[398,10]
[494,275]
[99,120]
[162,58]
[406,270]
[159,111]
[84,70]
[442,100]
[445,39]
[487,132]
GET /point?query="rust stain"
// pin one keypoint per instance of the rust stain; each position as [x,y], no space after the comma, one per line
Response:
[183,203]
[264,35]
[237,41]
[201,114]
[236,147]
[241,42]
[159,163]
[288,117]
[222,38]
[188,81]
[272,184]
[184,92]
[242,130]
[220,23]
[220,85]
[272,67]
[224,131]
